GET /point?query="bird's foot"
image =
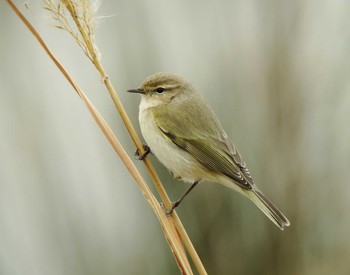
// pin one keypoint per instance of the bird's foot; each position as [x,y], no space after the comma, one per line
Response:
[171,210]
[140,156]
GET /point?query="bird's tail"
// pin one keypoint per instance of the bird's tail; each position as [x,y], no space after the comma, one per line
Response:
[268,208]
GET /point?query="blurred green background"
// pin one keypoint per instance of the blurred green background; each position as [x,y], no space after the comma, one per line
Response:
[276,72]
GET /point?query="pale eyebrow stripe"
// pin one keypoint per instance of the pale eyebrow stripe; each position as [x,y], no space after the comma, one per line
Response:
[171,87]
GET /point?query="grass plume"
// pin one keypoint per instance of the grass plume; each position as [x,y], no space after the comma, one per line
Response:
[81,14]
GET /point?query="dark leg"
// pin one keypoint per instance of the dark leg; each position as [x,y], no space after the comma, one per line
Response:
[138,154]
[177,203]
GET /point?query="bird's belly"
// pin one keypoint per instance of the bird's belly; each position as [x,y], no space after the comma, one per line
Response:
[180,163]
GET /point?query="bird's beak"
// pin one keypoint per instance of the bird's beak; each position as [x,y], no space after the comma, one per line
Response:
[137,91]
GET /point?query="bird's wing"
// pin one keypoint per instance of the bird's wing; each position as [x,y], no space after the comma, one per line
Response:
[206,141]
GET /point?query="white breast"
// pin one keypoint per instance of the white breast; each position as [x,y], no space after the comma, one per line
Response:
[179,162]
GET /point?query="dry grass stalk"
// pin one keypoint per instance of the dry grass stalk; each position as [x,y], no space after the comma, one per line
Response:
[82,14]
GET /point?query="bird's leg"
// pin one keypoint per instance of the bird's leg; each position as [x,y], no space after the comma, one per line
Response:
[138,155]
[177,203]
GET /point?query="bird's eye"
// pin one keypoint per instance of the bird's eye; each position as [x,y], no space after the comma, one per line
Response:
[160,90]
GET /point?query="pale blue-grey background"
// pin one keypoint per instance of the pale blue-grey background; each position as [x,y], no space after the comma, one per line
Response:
[276,73]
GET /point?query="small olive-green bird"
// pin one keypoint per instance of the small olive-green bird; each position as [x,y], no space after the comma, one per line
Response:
[185,135]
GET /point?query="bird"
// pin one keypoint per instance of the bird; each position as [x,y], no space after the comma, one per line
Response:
[185,135]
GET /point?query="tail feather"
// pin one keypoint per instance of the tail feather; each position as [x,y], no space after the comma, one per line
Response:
[268,208]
